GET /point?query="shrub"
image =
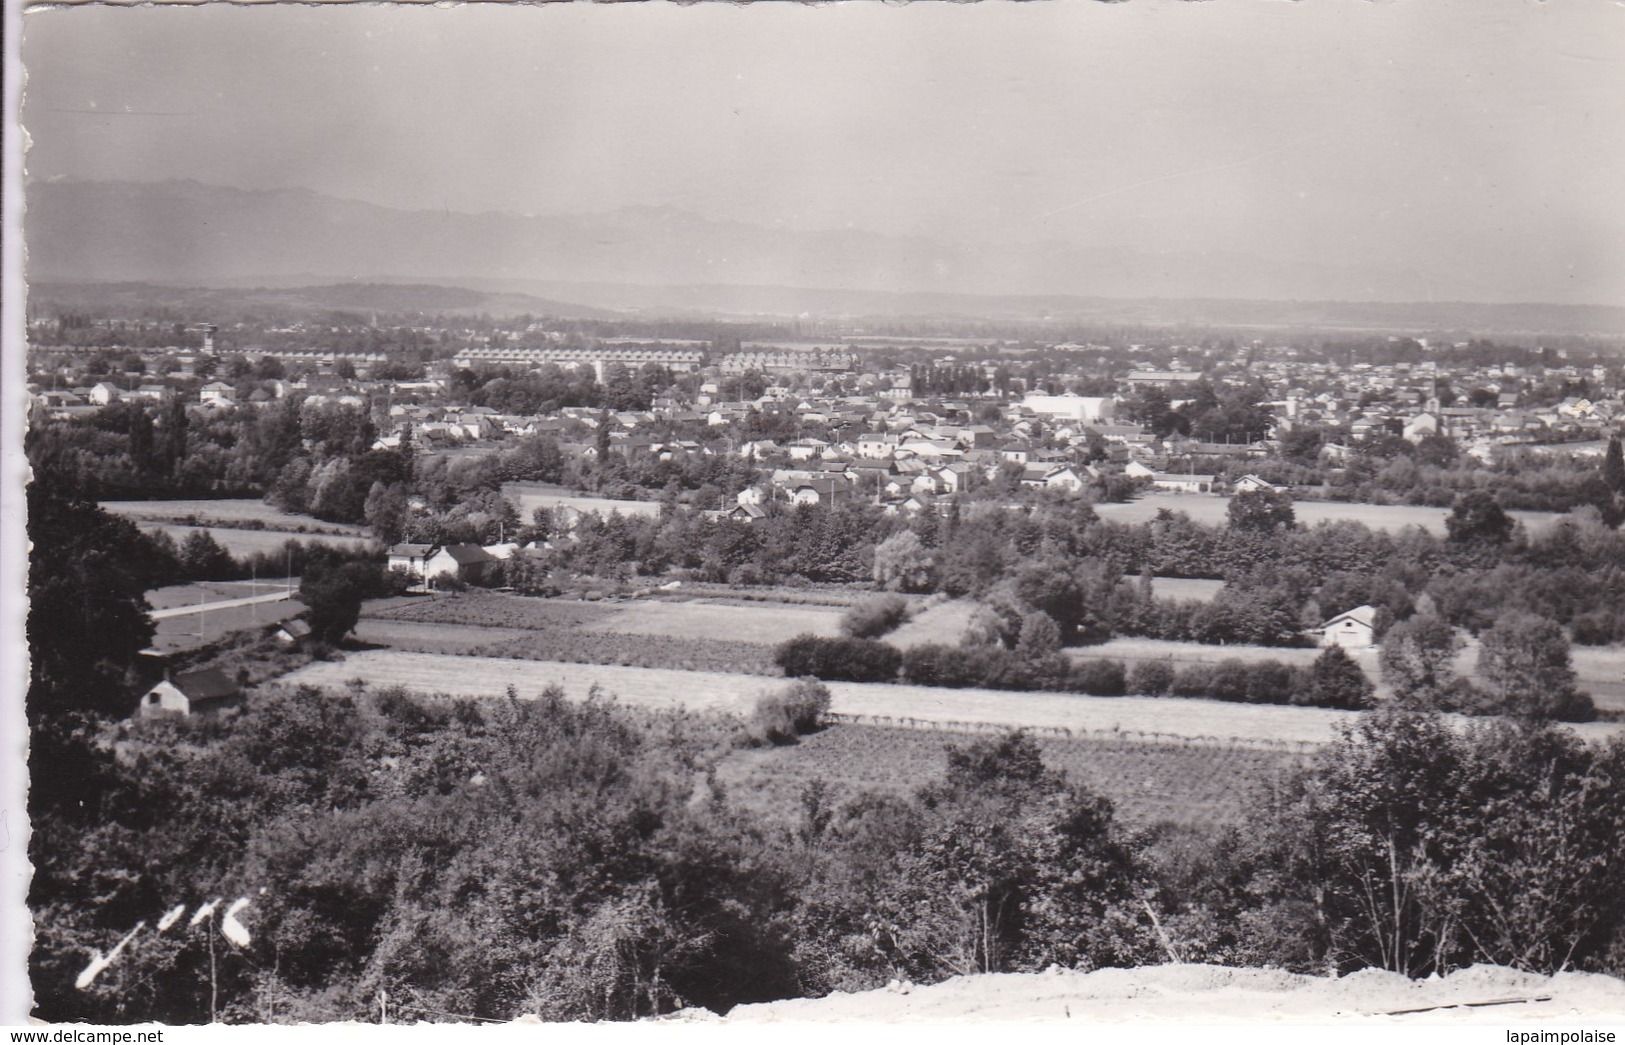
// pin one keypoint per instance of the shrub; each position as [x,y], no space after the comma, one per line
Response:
[1336,681]
[782,716]
[1040,635]
[1099,678]
[1598,628]
[1272,682]
[1525,664]
[875,616]
[1194,680]
[848,660]
[960,667]
[1229,680]
[449,582]
[1152,678]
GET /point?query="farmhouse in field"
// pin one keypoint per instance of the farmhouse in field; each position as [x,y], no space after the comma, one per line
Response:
[465,562]
[1355,629]
[410,559]
[205,692]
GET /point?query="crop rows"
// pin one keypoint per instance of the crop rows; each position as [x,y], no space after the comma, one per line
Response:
[241,542]
[571,646]
[235,512]
[483,609]
[1148,783]
[690,621]
[1210,510]
[840,596]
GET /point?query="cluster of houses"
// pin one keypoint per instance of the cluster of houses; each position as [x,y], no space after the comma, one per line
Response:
[885,443]
[426,564]
[1485,408]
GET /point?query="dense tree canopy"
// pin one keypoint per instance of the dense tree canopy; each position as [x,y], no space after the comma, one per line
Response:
[88,574]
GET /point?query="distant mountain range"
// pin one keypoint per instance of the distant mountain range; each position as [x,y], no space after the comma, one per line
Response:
[298,302]
[662,260]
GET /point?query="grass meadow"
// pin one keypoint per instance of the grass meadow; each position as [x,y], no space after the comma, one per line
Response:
[235,511]
[1147,782]
[1211,510]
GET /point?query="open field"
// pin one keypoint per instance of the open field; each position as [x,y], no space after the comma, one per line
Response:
[193,630]
[492,610]
[252,542]
[571,645]
[528,497]
[236,511]
[1180,653]
[1601,672]
[729,637]
[1210,509]
[1187,589]
[839,596]
[1147,782]
[763,624]
[680,636]
[943,623]
[435,638]
[766,624]
[214,591]
[870,703]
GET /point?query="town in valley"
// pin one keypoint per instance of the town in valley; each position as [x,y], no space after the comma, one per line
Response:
[1097,511]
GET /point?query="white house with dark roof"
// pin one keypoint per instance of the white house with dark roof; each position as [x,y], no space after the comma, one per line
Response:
[465,562]
[410,558]
[1252,484]
[1356,629]
[205,692]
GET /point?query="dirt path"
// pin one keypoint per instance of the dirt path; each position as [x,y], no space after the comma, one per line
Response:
[223,604]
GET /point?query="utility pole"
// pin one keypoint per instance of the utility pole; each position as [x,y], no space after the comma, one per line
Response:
[214,981]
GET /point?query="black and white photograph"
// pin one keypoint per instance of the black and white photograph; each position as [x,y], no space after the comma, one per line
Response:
[1074,514]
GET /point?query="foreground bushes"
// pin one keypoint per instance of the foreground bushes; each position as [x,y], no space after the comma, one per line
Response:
[1420,848]
[783,716]
[579,860]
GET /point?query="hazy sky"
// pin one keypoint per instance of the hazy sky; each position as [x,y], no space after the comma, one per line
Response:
[1473,136]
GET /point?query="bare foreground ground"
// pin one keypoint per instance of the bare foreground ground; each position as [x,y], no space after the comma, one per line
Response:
[875,702]
[1209,994]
